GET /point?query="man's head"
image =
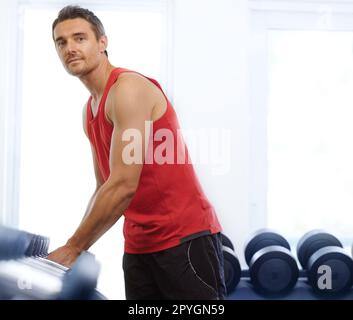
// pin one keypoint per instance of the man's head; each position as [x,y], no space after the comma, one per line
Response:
[80,40]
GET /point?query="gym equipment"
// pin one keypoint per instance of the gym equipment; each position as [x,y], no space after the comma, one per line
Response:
[13,243]
[25,273]
[272,268]
[232,269]
[301,291]
[38,247]
[226,241]
[79,282]
[317,250]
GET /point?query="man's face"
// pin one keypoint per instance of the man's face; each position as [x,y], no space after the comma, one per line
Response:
[77,46]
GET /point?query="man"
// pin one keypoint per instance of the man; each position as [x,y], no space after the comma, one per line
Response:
[172,234]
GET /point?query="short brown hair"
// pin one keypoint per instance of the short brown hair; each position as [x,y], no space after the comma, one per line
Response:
[73,12]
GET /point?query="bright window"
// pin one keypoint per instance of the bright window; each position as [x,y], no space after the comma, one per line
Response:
[301,79]
[310,149]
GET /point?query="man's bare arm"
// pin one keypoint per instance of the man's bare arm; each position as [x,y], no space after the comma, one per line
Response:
[130,111]
[99,179]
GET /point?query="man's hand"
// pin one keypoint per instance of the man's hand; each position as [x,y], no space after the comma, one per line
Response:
[65,255]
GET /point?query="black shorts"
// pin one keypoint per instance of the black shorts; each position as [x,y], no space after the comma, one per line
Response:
[191,271]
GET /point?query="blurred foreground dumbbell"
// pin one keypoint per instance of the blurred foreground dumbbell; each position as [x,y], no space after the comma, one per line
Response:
[38,247]
[232,270]
[16,243]
[26,274]
[79,283]
[13,243]
[27,281]
[329,268]
[272,268]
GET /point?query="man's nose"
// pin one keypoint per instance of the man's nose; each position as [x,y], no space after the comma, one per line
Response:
[71,47]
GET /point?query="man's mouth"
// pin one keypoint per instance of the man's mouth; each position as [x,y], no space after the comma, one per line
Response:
[72,60]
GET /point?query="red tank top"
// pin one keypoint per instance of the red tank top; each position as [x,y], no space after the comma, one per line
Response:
[169,206]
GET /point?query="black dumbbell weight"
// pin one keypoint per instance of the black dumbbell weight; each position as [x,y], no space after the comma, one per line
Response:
[226,241]
[318,252]
[232,269]
[272,268]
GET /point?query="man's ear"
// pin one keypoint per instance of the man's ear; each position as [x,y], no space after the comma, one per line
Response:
[103,43]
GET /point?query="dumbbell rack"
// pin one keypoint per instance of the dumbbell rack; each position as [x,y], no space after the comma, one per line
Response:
[301,291]
[274,273]
[25,273]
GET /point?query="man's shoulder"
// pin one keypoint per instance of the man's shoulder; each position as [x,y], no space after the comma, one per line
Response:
[130,84]
[131,89]
[131,76]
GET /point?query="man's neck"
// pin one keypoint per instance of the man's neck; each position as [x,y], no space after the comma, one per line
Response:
[96,80]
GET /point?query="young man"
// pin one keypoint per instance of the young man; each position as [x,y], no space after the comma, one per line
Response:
[172,234]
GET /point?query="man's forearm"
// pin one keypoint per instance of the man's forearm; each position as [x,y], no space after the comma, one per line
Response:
[90,203]
[105,208]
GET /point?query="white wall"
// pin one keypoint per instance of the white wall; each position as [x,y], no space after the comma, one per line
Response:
[210,91]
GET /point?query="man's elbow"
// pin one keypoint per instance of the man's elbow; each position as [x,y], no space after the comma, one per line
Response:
[129,191]
[123,188]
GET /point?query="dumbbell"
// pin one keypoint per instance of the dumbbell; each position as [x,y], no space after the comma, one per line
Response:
[272,268]
[47,279]
[38,247]
[45,265]
[79,283]
[13,243]
[37,252]
[17,244]
[318,249]
[21,279]
[226,241]
[232,269]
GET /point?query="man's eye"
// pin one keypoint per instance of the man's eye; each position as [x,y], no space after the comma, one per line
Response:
[80,39]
